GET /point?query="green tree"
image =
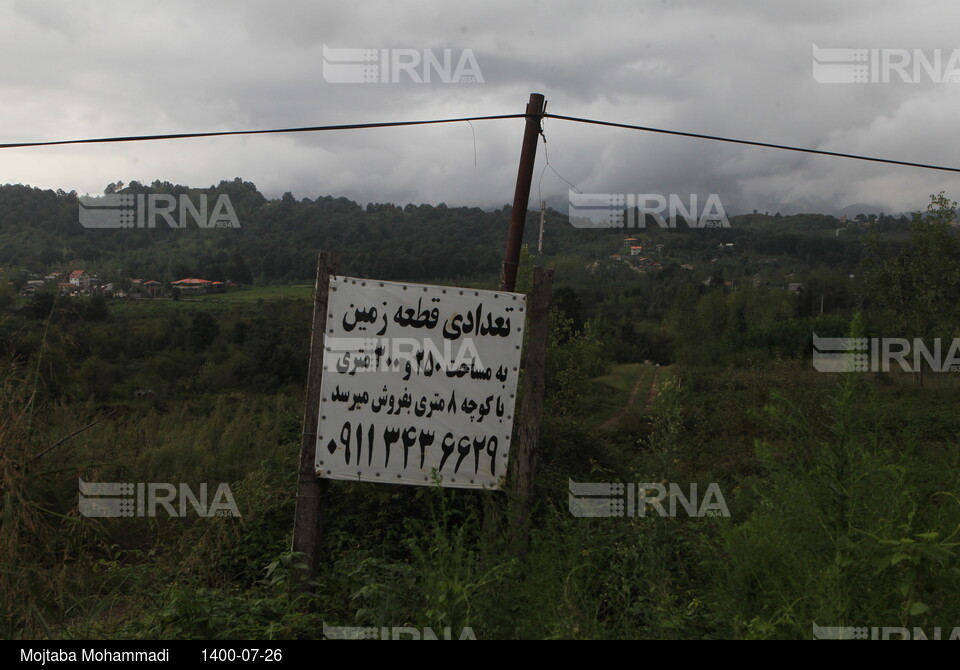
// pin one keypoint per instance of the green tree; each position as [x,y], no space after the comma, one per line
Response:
[911,291]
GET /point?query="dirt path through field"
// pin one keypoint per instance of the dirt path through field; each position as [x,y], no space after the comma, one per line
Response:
[622,412]
[654,388]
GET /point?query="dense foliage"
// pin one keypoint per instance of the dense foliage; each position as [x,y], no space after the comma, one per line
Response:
[842,489]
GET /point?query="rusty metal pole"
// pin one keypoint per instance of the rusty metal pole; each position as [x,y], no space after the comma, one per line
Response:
[528,156]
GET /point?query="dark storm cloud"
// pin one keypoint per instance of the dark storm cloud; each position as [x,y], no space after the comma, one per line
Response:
[742,69]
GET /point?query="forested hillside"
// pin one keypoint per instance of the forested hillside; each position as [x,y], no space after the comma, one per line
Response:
[277,240]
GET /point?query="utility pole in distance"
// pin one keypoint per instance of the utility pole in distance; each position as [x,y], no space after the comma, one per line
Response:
[543,213]
[518,216]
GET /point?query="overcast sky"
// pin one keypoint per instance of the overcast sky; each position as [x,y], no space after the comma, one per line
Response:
[733,68]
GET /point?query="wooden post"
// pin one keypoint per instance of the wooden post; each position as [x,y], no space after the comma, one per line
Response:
[310,488]
[511,256]
[518,216]
[524,456]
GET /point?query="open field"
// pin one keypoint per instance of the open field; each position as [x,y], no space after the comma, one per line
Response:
[611,393]
[293,292]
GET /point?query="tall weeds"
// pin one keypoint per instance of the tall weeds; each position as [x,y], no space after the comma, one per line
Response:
[41,536]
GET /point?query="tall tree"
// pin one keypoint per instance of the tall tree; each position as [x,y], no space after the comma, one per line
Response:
[911,291]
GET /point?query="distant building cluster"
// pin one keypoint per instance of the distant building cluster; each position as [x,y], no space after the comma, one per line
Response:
[83,283]
[644,257]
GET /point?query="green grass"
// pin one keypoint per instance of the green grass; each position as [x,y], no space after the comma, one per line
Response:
[609,393]
[151,308]
[843,511]
[294,292]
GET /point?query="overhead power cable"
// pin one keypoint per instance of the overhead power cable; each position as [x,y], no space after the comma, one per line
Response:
[271,131]
[495,117]
[753,143]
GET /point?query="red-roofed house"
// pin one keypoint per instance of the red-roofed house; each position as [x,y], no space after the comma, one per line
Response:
[191,285]
[80,278]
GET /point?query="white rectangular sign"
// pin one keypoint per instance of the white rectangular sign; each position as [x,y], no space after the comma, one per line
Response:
[418,380]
